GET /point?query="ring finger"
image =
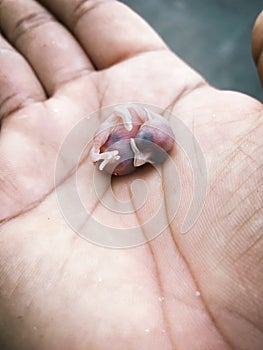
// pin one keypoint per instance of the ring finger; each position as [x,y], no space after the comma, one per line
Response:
[51,50]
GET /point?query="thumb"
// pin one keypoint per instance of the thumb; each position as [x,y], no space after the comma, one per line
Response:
[257,45]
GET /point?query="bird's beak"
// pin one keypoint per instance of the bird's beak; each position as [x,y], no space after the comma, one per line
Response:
[138,161]
[140,158]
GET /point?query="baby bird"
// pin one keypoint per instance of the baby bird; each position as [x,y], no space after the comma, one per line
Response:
[130,137]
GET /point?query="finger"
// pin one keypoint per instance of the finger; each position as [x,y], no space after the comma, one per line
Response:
[51,50]
[18,84]
[257,45]
[109,31]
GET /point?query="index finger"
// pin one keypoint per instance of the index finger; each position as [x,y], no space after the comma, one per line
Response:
[109,31]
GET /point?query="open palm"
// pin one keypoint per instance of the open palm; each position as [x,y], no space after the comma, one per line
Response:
[202,290]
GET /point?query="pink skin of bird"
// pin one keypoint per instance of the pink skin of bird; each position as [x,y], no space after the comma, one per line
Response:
[130,137]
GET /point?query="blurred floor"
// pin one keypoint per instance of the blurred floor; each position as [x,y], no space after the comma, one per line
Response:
[213,36]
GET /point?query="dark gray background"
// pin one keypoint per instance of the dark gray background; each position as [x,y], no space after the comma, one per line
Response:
[213,36]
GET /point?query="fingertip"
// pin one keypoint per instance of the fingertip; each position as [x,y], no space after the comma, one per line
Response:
[257,45]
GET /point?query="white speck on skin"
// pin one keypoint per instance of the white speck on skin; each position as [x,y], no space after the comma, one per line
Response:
[22,116]
[147,330]
[55,110]
[258,222]
[213,115]
[100,279]
[163,331]
[197,293]
[161,299]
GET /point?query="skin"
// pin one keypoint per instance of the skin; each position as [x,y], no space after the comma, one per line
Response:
[58,291]
[145,139]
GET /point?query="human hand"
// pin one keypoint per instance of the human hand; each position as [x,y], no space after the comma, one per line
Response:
[58,291]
